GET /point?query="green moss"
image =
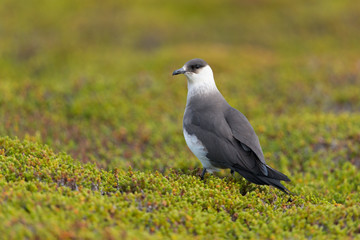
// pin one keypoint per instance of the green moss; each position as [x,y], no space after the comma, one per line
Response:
[44,194]
[93,82]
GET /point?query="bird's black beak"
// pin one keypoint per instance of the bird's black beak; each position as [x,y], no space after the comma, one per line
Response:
[179,71]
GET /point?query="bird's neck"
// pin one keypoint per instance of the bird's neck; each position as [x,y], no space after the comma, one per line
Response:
[201,88]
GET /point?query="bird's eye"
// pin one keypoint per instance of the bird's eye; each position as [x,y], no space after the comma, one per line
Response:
[197,66]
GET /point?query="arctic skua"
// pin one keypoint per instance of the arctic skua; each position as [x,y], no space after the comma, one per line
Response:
[220,136]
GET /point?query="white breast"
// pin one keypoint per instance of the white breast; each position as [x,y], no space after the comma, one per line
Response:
[198,149]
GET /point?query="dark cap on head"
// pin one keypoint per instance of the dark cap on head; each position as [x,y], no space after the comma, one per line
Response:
[195,64]
[191,66]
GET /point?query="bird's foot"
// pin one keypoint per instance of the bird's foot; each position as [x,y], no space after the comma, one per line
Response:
[202,174]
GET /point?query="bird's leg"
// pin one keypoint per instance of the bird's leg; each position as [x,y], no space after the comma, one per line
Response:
[232,172]
[203,173]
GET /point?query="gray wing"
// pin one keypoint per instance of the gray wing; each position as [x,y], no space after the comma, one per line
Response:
[243,131]
[225,150]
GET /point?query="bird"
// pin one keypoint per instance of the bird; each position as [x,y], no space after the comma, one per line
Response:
[220,136]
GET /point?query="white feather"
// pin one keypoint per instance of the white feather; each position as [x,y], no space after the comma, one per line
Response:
[198,149]
[200,83]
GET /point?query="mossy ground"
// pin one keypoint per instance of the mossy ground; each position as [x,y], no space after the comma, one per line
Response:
[93,82]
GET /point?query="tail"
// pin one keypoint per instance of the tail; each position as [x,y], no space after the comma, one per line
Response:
[273,178]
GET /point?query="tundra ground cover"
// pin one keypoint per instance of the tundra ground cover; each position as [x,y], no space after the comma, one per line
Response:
[93,82]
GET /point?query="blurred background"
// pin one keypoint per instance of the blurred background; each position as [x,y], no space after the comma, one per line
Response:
[93,78]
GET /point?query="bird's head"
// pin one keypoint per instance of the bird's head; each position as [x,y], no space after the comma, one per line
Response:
[196,70]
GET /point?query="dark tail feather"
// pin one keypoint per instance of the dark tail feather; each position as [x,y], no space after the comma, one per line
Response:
[273,178]
[274,182]
[272,173]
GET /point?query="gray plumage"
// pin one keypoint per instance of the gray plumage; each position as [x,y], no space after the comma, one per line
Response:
[219,135]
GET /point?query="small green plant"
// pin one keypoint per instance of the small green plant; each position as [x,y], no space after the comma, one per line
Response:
[48,195]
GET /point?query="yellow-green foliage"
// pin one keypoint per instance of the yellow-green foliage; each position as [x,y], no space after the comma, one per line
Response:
[92,80]
[48,195]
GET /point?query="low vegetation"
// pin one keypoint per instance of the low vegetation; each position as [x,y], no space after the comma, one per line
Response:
[91,141]
[47,195]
